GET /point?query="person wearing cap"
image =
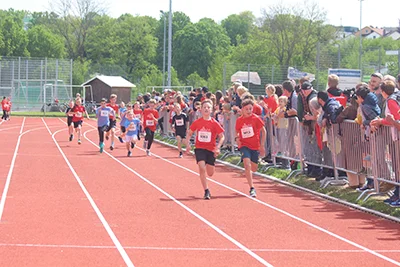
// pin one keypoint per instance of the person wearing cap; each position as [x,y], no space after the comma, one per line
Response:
[103,114]
[373,85]
[311,151]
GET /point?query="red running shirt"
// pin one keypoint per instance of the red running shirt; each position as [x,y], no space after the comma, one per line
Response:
[115,108]
[138,113]
[79,110]
[257,109]
[207,132]
[148,120]
[249,131]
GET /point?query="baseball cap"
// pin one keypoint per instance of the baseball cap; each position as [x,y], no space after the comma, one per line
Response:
[378,75]
[306,85]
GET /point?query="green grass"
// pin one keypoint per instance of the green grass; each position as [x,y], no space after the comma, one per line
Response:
[340,192]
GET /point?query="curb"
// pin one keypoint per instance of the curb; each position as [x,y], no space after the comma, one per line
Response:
[330,198]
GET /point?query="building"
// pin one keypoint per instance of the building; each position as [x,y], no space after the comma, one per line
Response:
[370,32]
[103,86]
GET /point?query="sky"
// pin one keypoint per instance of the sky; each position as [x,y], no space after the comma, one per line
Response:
[339,12]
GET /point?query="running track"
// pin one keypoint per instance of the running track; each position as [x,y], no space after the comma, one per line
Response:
[64,204]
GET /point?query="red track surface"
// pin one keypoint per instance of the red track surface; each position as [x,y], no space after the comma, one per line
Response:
[149,211]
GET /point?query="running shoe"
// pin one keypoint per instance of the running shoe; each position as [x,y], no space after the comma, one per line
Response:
[111,147]
[132,145]
[391,199]
[129,153]
[395,204]
[253,192]
[101,147]
[71,137]
[207,194]
[120,139]
[79,141]
[148,152]
[365,188]
[107,137]
[180,154]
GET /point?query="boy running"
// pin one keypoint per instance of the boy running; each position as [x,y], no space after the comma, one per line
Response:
[113,119]
[150,118]
[179,125]
[103,121]
[207,130]
[70,115]
[138,113]
[132,126]
[248,128]
[77,118]
[123,112]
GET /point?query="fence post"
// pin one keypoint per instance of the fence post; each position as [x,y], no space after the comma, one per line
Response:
[339,56]
[318,58]
[272,74]
[224,78]
[27,79]
[380,59]
[19,75]
[70,79]
[248,76]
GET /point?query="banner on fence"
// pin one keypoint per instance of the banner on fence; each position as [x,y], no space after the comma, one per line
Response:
[295,74]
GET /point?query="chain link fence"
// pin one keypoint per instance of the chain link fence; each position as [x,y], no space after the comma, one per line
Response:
[27,80]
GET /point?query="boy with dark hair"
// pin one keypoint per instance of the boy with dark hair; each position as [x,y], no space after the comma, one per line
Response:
[150,119]
[103,114]
[179,125]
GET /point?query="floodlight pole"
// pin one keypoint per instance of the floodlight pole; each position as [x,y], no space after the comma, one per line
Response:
[169,42]
[165,39]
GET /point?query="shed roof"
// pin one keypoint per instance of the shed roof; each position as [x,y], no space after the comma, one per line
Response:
[112,81]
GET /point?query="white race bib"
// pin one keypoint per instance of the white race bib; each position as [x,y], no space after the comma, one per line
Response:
[132,126]
[78,114]
[104,113]
[150,123]
[179,122]
[204,137]
[247,132]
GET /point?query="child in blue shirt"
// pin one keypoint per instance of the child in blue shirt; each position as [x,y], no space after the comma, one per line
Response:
[132,126]
[103,121]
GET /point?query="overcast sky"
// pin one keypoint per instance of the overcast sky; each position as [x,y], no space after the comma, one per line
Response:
[339,12]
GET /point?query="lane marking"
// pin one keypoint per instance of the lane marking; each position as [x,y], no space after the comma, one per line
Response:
[197,249]
[198,216]
[10,171]
[284,212]
[92,202]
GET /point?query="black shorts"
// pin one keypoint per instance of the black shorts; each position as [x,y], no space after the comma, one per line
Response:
[77,123]
[205,155]
[182,134]
[69,120]
[123,129]
[113,124]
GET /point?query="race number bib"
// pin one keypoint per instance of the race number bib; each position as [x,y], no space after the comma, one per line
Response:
[247,132]
[150,123]
[204,137]
[132,126]
[78,114]
[179,122]
[104,113]
[138,116]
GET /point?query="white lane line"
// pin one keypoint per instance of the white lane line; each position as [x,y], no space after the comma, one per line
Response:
[198,216]
[10,171]
[286,213]
[92,202]
[196,249]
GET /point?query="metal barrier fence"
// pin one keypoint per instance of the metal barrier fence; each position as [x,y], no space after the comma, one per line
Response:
[346,147]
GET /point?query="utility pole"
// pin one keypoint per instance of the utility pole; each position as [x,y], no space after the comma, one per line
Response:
[165,39]
[169,43]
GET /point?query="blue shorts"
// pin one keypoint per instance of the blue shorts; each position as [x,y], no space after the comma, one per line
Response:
[249,153]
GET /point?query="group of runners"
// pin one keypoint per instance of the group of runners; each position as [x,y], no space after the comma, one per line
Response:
[208,132]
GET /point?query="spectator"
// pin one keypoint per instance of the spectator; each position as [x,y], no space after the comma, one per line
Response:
[373,85]
[334,91]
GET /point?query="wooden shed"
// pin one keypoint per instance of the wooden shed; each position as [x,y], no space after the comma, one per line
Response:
[103,86]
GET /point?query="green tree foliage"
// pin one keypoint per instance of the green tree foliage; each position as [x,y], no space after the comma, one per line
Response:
[195,80]
[197,45]
[13,38]
[42,43]
[238,27]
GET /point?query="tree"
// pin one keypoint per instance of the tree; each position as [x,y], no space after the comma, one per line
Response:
[239,26]
[294,32]
[195,80]
[13,38]
[73,21]
[197,45]
[43,43]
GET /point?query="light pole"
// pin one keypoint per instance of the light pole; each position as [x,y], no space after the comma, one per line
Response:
[165,33]
[360,50]
[169,43]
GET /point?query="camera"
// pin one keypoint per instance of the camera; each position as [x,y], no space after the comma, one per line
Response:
[349,92]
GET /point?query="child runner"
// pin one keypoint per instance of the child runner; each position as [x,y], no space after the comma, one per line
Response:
[179,125]
[248,128]
[150,118]
[138,113]
[132,126]
[113,119]
[122,113]
[207,130]
[70,114]
[77,118]
[103,121]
